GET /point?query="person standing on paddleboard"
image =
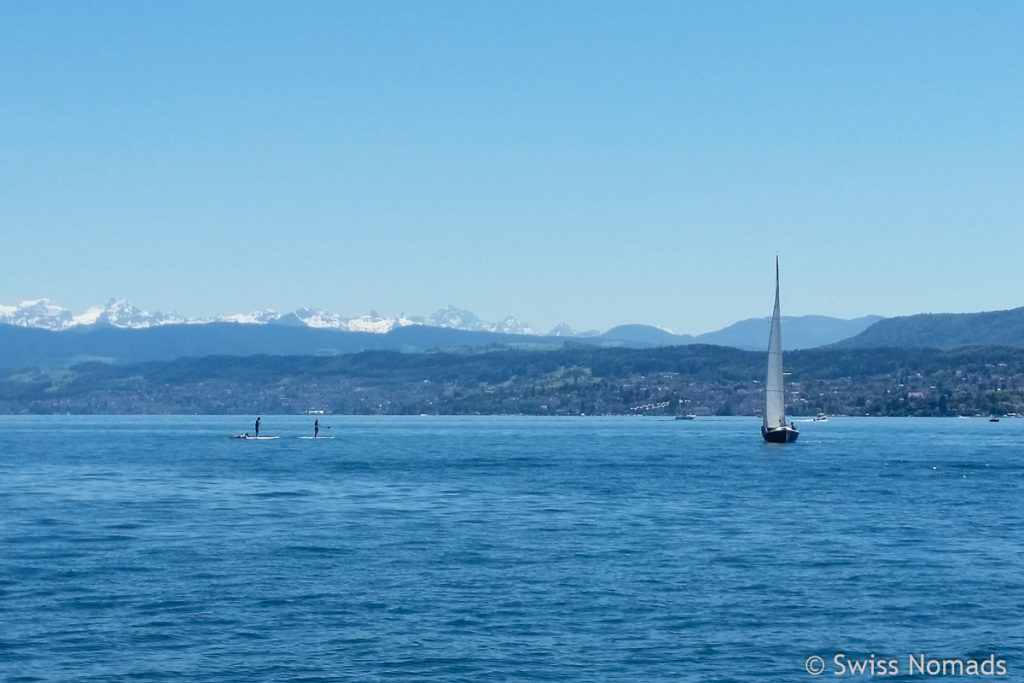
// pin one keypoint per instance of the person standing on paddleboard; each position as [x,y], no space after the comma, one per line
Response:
[257,427]
[316,428]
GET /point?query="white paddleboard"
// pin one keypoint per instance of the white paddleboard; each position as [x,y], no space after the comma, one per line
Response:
[253,438]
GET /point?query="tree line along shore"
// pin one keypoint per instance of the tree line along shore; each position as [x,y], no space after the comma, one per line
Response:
[571,380]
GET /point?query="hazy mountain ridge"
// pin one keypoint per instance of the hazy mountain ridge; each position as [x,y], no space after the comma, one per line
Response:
[944,331]
[801,332]
[798,332]
[28,346]
[122,333]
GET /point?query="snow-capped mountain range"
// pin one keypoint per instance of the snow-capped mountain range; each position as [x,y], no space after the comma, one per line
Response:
[42,313]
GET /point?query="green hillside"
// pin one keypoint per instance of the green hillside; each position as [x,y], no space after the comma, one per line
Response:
[944,331]
[567,381]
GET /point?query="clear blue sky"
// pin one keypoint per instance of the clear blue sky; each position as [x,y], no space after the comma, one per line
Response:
[591,162]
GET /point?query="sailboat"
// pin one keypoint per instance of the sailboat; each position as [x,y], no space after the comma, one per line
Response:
[774,427]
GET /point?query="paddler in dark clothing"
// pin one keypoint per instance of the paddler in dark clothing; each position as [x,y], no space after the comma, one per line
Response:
[257,427]
[316,428]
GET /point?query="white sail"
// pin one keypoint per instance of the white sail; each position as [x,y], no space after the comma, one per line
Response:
[775,400]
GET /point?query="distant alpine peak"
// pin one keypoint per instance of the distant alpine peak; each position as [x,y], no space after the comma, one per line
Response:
[37,313]
[42,313]
[564,330]
[371,322]
[45,314]
[255,318]
[120,313]
[461,319]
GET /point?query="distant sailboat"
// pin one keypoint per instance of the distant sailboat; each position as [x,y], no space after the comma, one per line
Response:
[774,427]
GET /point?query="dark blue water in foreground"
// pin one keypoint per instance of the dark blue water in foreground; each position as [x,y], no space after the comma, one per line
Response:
[445,549]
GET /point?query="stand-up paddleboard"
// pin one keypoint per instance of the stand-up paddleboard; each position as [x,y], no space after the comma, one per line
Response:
[253,438]
[316,438]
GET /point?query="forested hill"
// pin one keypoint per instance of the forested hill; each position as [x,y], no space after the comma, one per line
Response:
[944,331]
[567,381]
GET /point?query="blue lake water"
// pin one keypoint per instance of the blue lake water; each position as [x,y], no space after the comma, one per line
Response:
[504,548]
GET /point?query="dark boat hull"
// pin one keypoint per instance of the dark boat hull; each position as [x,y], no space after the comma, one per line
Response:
[780,434]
